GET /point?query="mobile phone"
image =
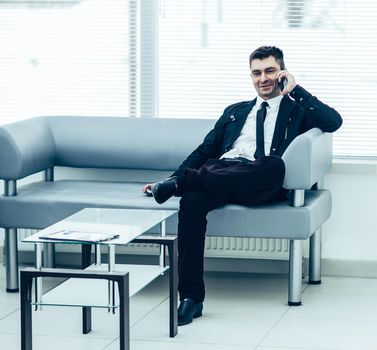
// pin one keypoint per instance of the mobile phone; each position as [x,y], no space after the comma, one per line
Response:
[282,83]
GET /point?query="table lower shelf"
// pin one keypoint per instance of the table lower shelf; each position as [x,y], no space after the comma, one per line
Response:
[95,293]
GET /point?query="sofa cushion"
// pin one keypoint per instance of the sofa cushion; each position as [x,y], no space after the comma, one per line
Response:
[41,204]
[276,220]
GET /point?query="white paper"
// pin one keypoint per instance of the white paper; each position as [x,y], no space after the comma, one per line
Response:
[82,236]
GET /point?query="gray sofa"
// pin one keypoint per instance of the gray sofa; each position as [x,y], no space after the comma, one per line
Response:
[150,146]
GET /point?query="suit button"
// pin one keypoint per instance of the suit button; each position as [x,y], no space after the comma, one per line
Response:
[274,150]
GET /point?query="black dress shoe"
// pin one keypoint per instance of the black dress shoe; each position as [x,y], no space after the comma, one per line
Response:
[163,190]
[188,310]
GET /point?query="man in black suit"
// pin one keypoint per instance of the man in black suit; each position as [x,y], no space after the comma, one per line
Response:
[239,162]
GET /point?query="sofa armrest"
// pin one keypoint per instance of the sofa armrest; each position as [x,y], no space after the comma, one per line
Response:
[26,147]
[307,159]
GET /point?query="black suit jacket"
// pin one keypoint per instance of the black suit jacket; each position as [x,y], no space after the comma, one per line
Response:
[297,114]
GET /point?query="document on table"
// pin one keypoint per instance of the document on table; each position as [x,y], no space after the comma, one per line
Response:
[81,236]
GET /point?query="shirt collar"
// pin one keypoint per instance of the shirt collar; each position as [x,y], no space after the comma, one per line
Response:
[272,102]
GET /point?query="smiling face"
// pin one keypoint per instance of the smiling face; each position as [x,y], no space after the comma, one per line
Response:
[264,74]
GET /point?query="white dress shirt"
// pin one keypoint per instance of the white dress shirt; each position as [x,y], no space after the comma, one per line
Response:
[246,143]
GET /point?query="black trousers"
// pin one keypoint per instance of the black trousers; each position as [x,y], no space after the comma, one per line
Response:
[215,184]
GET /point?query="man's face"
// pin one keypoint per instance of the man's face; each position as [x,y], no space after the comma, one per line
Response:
[264,75]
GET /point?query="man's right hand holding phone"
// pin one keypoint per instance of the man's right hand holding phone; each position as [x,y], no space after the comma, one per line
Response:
[286,82]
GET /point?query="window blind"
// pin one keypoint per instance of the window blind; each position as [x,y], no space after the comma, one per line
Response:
[82,57]
[64,57]
[329,46]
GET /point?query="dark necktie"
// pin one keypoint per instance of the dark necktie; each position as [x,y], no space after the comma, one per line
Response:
[261,116]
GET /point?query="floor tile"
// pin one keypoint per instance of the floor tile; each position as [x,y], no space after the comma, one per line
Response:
[255,302]
[336,306]
[2,276]
[345,285]
[10,341]
[160,345]
[13,342]
[212,328]
[321,334]
[7,310]
[67,321]
[9,299]
[288,348]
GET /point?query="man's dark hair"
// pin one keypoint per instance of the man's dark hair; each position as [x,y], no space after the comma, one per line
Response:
[267,51]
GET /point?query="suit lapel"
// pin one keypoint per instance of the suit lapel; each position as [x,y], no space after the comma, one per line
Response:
[237,118]
[244,112]
[241,116]
[285,111]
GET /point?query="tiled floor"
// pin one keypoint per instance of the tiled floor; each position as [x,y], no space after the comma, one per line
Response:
[241,312]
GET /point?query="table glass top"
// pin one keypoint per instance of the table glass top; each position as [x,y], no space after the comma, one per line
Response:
[127,223]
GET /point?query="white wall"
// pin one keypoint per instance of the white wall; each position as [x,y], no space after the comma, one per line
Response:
[350,235]
[351,232]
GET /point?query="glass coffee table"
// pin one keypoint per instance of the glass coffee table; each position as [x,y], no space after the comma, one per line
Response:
[94,286]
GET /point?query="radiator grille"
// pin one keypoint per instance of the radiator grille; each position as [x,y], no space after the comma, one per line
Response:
[247,247]
[220,247]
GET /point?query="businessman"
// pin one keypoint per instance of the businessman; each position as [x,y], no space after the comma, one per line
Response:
[238,162]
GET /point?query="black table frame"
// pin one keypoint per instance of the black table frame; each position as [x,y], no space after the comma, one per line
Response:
[28,274]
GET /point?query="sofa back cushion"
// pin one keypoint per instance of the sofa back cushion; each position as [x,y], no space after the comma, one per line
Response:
[132,143]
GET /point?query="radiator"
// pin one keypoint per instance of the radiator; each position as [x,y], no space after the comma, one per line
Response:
[219,247]
[259,248]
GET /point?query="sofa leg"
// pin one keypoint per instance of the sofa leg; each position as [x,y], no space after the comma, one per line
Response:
[295,272]
[11,259]
[315,257]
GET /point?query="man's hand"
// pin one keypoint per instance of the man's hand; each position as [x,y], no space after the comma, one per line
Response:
[291,82]
[147,189]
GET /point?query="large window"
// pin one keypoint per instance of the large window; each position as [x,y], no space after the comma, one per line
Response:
[85,57]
